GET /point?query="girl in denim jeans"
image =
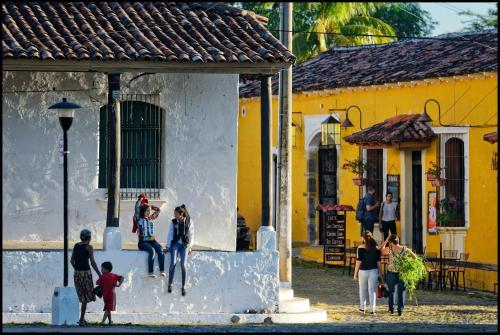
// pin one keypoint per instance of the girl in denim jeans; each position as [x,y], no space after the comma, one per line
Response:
[147,240]
[179,241]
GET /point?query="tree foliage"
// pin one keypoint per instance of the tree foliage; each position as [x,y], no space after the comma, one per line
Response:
[481,22]
[319,26]
[407,18]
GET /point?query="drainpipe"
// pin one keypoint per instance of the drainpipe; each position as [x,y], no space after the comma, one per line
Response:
[285,154]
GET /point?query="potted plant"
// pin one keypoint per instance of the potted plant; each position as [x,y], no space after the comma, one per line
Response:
[358,167]
[448,213]
[434,174]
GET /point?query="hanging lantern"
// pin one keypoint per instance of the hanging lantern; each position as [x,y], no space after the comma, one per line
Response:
[330,131]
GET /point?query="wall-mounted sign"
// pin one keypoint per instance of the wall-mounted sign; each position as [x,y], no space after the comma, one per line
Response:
[334,247]
[432,213]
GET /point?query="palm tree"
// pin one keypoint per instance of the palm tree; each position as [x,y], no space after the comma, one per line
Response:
[343,18]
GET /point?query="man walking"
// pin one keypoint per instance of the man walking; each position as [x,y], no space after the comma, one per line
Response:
[371,209]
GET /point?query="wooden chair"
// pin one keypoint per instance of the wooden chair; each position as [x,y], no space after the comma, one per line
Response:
[449,259]
[430,259]
[453,272]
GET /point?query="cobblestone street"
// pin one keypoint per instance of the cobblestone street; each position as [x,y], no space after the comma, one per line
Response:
[327,288]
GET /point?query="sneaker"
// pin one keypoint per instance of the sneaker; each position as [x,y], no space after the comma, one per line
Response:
[400,312]
[391,311]
[362,310]
[152,275]
[373,313]
[183,291]
[169,289]
[163,274]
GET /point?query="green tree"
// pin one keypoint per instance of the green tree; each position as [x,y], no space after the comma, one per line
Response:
[407,18]
[481,22]
[343,21]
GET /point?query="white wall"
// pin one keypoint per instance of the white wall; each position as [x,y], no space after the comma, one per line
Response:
[217,282]
[200,162]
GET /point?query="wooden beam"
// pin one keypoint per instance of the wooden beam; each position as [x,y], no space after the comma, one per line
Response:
[140,66]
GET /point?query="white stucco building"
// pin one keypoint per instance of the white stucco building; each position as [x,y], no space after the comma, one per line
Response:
[185,108]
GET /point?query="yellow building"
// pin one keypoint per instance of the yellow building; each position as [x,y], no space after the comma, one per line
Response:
[385,89]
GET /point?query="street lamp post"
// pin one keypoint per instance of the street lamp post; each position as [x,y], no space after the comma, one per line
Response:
[61,312]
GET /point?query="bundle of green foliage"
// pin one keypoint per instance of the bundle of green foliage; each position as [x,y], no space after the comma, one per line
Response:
[411,271]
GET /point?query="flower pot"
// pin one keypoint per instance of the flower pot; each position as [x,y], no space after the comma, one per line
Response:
[431,177]
[359,181]
[438,182]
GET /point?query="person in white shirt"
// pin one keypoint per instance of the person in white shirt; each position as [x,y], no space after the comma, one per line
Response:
[388,215]
[179,241]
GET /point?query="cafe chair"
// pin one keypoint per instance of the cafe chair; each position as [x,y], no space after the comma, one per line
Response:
[430,259]
[453,272]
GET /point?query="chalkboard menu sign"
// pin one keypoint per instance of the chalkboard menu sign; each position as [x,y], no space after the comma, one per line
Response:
[334,247]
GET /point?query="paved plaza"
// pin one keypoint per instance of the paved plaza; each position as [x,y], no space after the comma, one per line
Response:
[328,288]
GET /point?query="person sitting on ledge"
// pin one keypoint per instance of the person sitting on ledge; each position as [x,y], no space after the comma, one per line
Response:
[180,239]
[147,241]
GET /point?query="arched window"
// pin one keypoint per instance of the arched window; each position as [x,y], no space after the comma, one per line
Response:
[141,148]
[454,196]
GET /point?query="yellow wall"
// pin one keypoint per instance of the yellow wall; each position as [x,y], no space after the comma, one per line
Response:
[463,100]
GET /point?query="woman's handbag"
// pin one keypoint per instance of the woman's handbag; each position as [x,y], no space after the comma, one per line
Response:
[380,292]
[98,291]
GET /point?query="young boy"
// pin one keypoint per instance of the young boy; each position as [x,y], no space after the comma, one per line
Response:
[109,281]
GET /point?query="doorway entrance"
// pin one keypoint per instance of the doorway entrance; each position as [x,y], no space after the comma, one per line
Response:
[416,178]
[327,172]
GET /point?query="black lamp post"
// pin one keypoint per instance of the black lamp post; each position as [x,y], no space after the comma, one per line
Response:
[66,112]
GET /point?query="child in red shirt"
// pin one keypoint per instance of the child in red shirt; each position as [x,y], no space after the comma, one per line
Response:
[108,281]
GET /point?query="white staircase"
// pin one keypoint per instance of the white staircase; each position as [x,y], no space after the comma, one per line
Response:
[296,310]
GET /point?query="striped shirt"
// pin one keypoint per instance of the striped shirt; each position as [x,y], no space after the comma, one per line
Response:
[146,228]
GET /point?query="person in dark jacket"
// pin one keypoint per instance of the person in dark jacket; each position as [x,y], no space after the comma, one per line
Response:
[82,253]
[179,241]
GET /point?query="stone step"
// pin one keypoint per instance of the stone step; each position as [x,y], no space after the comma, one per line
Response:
[295,305]
[312,316]
[286,294]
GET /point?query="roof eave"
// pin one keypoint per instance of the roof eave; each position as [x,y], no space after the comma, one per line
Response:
[141,66]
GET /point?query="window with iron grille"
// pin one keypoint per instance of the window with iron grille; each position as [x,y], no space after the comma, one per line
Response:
[141,146]
[375,177]
[452,204]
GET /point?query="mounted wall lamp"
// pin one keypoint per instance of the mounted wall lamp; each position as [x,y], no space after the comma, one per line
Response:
[347,123]
[425,117]
[330,131]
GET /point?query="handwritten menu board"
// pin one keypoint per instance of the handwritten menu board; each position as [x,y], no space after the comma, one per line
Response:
[334,247]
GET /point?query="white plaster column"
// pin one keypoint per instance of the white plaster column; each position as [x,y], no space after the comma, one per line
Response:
[65,306]
[266,238]
[112,239]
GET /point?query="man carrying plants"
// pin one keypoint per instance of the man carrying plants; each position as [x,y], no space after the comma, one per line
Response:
[404,271]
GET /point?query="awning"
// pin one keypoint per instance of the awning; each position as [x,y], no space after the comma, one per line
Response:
[401,131]
[491,137]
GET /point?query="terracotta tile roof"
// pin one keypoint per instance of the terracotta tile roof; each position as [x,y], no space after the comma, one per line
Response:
[491,137]
[390,63]
[398,129]
[163,31]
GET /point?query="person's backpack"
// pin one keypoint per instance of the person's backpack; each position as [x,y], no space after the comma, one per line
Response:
[361,210]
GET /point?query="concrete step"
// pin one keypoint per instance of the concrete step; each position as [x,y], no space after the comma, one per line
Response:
[312,316]
[295,305]
[286,293]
